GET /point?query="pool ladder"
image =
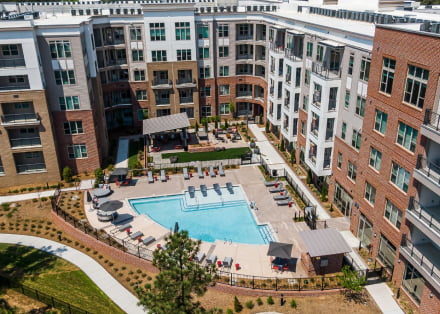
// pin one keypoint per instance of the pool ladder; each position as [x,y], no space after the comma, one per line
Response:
[226,241]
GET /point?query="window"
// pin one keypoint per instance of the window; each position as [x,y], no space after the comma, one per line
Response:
[380,121]
[223,90]
[137,55]
[223,51]
[387,252]
[10,50]
[17,79]
[60,49]
[203,31]
[189,112]
[347,99]
[224,70]
[136,33]
[351,171]
[339,160]
[356,139]
[360,106]
[393,214]
[65,77]
[297,77]
[73,127]
[141,94]
[320,53]
[223,30]
[157,31]
[183,54]
[375,158]
[370,193]
[205,72]
[203,53]
[415,88]
[205,91]
[206,111]
[183,31]
[225,108]
[400,177]
[77,151]
[407,136]
[307,77]
[309,51]
[343,130]
[139,75]
[365,69]
[159,55]
[413,283]
[350,64]
[69,103]
[387,79]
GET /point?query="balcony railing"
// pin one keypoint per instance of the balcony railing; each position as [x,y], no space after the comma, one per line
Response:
[116,62]
[424,215]
[12,63]
[162,101]
[244,94]
[278,48]
[14,87]
[21,118]
[327,163]
[289,54]
[30,168]
[245,57]
[432,119]
[25,142]
[325,72]
[157,82]
[428,168]
[245,36]
[186,80]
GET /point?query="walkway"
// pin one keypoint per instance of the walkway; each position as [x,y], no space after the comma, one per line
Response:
[30,196]
[275,161]
[383,296]
[122,154]
[110,286]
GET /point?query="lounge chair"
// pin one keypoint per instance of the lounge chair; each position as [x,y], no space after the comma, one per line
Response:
[124,227]
[203,189]
[200,172]
[221,172]
[137,235]
[148,240]
[230,187]
[163,177]
[217,188]
[199,257]
[227,262]
[211,171]
[150,177]
[122,218]
[211,259]
[191,191]
[284,202]
[185,174]
[278,189]
[281,197]
[270,183]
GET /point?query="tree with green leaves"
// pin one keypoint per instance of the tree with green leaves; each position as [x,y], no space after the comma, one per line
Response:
[180,280]
[353,283]
[67,174]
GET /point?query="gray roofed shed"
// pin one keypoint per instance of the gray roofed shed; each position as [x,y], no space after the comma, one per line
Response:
[165,123]
[324,242]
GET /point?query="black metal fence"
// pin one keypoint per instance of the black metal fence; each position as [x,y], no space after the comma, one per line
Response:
[42,297]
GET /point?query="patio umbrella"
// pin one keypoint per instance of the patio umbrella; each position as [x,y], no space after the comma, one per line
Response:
[89,197]
[281,250]
[176,227]
[111,206]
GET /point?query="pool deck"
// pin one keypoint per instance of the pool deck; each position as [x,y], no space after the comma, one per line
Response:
[252,258]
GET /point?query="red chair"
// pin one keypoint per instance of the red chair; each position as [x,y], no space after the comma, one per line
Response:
[237,266]
[275,267]
[159,246]
[128,230]
[219,263]
[285,268]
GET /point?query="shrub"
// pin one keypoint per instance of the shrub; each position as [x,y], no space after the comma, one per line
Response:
[99,176]
[237,305]
[293,304]
[229,311]
[259,301]
[250,305]
[270,300]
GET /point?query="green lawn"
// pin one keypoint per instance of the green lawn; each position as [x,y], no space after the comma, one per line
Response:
[133,149]
[225,154]
[54,276]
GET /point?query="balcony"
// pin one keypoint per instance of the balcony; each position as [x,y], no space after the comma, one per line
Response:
[247,36]
[279,49]
[119,102]
[14,87]
[428,173]
[116,62]
[325,72]
[31,168]
[20,119]
[162,84]
[425,218]
[12,63]
[186,82]
[431,126]
[248,56]
[425,258]
[17,143]
[290,54]
[244,94]
[186,100]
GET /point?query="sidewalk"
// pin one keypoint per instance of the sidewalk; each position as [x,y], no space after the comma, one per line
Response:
[110,286]
[275,161]
[383,296]
[122,154]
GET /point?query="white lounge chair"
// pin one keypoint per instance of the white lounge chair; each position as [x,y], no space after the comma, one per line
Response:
[148,240]
[278,189]
[282,197]
[217,188]
[150,177]
[211,259]
[199,257]
[137,235]
[270,183]
[227,262]
[185,174]
[284,202]
[212,172]
[200,172]
[221,172]
[163,177]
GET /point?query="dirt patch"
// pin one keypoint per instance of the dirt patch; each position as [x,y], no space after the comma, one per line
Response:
[22,303]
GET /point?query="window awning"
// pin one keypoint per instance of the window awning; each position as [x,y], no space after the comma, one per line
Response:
[332,44]
[323,242]
[165,123]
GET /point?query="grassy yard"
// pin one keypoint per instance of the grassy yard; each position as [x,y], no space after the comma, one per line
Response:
[203,156]
[133,150]
[55,277]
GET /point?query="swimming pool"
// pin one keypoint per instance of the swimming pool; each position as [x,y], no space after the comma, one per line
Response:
[221,216]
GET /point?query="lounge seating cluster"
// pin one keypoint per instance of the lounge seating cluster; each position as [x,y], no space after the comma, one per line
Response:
[204,189]
[281,196]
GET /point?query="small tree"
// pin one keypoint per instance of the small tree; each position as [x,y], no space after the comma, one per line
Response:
[226,124]
[197,127]
[282,146]
[267,127]
[238,307]
[232,109]
[99,176]
[67,174]
[270,300]
[293,157]
[180,278]
[293,304]
[249,304]
[353,283]
[324,192]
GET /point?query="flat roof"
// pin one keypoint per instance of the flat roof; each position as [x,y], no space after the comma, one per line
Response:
[165,123]
[323,242]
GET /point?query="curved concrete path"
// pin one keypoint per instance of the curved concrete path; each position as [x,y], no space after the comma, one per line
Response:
[111,287]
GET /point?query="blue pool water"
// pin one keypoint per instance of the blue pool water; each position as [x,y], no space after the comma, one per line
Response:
[208,218]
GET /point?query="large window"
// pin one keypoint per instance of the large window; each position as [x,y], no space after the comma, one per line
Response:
[380,121]
[223,51]
[375,158]
[350,64]
[393,214]
[60,49]
[136,33]
[370,193]
[413,282]
[203,53]
[183,54]
[10,50]
[339,160]
[183,31]
[309,49]
[205,72]
[320,53]
[203,31]
[223,90]
[387,79]
[223,30]
[206,111]
[137,55]
[400,177]
[139,75]
[225,109]
[159,55]
[77,151]
[407,136]
[141,94]
[224,70]
[356,139]
[347,99]
[365,69]
[387,252]
[344,130]
[205,91]
[65,77]
[157,31]
[360,106]
[69,103]
[415,89]
[73,127]
[352,171]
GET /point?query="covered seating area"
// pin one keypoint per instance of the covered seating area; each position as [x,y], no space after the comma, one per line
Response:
[119,175]
[325,250]
[281,256]
[108,210]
